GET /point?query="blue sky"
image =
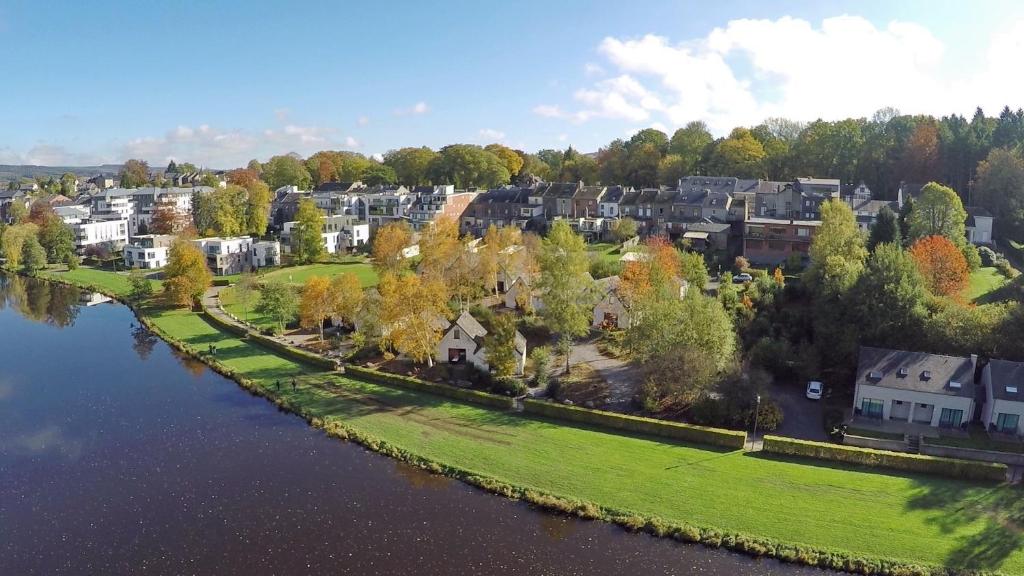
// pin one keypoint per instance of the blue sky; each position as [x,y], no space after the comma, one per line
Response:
[219,82]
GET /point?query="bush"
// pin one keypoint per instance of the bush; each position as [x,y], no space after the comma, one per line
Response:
[988,256]
[540,363]
[474,396]
[274,330]
[1006,269]
[601,268]
[971,255]
[664,428]
[963,469]
[508,385]
[221,282]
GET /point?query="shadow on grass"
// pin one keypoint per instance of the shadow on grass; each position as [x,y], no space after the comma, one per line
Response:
[1011,290]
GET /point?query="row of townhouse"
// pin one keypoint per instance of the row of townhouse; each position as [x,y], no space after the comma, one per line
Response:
[339,233]
[939,391]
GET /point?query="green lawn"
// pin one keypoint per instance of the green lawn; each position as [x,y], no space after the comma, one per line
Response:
[227,299]
[299,274]
[984,280]
[606,251]
[905,517]
[114,282]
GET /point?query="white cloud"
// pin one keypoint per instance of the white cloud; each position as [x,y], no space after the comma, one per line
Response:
[416,109]
[491,134]
[591,69]
[51,155]
[351,142]
[563,137]
[363,121]
[748,70]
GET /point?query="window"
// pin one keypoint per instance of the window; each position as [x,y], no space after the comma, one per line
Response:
[457,334]
[1007,423]
[871,408]
[950,418]
[803,232]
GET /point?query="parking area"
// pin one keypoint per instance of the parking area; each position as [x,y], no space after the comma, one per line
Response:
[802,417]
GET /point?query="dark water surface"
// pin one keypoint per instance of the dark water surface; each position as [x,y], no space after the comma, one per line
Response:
[118,457]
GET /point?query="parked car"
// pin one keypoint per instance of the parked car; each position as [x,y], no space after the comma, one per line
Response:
[742,278]
[814,390]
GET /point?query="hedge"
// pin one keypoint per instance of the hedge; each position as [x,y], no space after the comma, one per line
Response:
[282,349]
[222,282]
[474,396]
[952,467]
[675,430]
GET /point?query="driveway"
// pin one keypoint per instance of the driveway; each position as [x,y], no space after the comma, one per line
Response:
[622,381]
[802,417]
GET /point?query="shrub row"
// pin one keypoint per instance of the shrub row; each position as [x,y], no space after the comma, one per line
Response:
[474,396]
[221,281]
[675,430]
[960,469]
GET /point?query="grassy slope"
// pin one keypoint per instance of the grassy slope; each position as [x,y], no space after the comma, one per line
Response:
[983,281]
[299,274]
[910,518]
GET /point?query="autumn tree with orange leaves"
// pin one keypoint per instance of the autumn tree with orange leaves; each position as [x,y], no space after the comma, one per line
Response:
[942,265]
[655,273]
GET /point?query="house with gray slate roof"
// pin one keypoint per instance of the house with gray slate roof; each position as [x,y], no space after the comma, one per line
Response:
[1004,397]
[915,387]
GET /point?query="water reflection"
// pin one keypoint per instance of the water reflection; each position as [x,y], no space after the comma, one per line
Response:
[143,340]
[46,302]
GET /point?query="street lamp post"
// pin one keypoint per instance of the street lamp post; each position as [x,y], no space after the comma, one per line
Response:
[757,409]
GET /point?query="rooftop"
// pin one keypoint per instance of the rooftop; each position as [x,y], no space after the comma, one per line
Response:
[1007,380]
[916,371]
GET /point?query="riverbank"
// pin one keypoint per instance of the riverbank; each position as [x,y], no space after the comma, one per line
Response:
[643,483]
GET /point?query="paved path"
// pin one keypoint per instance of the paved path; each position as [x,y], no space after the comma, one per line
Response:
[211,301]
[622,381]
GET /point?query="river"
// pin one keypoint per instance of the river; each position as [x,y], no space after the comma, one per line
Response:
[117,456]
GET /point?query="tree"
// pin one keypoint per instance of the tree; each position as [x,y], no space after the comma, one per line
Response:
[68,184]
[888,299]
[140,288]
[513,162]
[220,212]
[623,229]
[939,211]
[885,230]
[445,258]
[316,304]
[278,301]
[739,155]
[186,276]
[465,165]
[33,256]
[567,291]
[837,251]
[1000,189]
[689,143]
[412,314]
[307,242]
[286,171]
[245,291]
[388,243]
[500,346]
[942,265]
[920,159]
[134,173]
[166,219]
[693,269]
[377,174]
[410,164]
[502,253]
[17,212]
[14,240]
[257,207]
[540,364]
[347,297]
[244,177]
[56,237]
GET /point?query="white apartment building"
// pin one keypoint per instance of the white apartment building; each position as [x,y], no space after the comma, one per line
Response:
[94,232]
[148,252]
[340,233]
[238,254]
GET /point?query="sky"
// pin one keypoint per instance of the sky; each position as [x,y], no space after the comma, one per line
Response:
[218,83]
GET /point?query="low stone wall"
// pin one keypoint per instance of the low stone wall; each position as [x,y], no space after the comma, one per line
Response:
[1007,458]
[876,443]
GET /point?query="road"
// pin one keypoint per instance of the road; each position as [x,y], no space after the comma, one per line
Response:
[801,417]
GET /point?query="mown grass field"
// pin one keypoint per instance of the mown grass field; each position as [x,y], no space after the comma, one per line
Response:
[114,282]
[228,301]
[984,280]
[909,518]
[299,274]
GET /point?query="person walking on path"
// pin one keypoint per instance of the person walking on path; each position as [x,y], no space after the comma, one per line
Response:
[278,384]
[293,384]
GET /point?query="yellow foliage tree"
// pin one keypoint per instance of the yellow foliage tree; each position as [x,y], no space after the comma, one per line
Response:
[412,313]
[388,243]
[186,276]
[347,297]
[315,304]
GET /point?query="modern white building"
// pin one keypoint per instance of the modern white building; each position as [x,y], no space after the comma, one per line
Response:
[238,254]
[148,252]
[979,225]
[113,233]
[340,233]
[266,253]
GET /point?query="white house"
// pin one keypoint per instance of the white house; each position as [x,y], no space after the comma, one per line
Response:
[148,252]
[1004,397]
[915,387]
[340,233]
[610,311]
[979,225]
[238,254]
[463,343]
[266,253]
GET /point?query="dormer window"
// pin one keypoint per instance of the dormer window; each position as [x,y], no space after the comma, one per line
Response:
[874,376]
[904,372]
[954,385]
[926,375]
[1011,389]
